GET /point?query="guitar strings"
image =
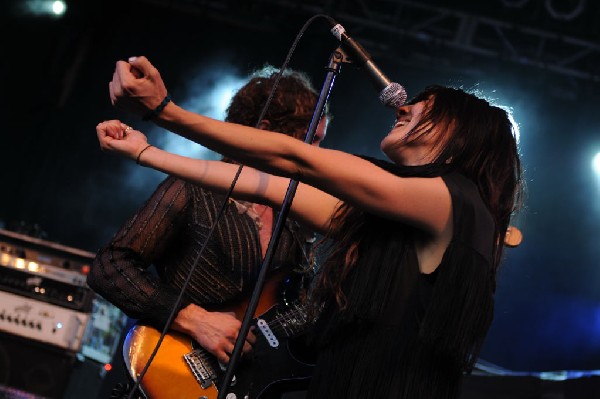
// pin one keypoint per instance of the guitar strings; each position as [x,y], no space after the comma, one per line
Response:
[288,319]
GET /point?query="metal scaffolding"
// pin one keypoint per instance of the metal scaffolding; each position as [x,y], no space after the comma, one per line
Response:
[532,33]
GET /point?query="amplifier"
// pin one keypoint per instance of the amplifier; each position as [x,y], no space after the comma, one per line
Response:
[56,334]
[42,321]
[34,370]
[45,271]
[44,297]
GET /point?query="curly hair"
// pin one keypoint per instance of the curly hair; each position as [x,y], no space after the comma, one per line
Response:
[291,108]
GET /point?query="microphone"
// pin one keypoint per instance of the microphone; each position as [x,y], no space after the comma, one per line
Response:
[392,94]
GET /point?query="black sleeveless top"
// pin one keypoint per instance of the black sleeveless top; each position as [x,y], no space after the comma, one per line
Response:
[405,334]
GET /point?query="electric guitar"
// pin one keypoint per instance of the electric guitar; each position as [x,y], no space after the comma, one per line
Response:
[184,370]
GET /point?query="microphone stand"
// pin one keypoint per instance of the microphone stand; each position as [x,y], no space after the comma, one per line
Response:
[333,67]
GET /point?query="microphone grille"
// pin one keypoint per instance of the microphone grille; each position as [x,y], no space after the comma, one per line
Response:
[393,95]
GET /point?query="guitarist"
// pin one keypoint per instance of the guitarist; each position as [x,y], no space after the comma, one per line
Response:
[169,229]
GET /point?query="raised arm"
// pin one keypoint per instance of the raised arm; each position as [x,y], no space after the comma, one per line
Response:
[424,203]
[311,207]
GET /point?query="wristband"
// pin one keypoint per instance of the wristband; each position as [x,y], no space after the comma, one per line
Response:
[154,113]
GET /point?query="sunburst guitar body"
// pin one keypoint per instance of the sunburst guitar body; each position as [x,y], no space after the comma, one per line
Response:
[182,369]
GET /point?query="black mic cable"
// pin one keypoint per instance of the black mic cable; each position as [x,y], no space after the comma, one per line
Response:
[137,379]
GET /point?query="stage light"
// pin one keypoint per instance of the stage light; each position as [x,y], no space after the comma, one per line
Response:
[596,164]
[59,8]
[45,7]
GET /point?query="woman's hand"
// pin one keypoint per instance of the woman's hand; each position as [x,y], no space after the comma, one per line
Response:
[136,86]
[117,137]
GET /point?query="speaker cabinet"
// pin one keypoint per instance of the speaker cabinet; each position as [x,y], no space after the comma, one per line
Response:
[33,367]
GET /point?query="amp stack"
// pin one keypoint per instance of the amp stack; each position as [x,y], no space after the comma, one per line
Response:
[56,334]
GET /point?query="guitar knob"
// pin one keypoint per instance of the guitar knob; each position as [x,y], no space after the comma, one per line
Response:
[231,396]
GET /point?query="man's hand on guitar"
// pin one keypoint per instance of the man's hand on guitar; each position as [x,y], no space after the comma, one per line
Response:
[214,331]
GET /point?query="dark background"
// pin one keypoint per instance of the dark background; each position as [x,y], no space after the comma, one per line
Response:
[57,184]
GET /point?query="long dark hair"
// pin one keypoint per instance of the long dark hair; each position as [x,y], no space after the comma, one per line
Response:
[482,146]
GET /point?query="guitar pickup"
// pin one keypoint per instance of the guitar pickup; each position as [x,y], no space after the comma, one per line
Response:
[264,328]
